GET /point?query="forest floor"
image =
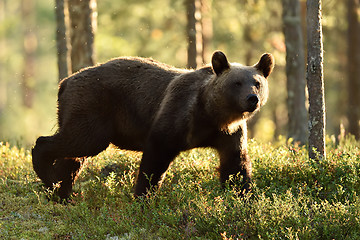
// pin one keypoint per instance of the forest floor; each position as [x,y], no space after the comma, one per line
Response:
[292,197]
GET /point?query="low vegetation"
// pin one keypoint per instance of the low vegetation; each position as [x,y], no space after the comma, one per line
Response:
[292,197]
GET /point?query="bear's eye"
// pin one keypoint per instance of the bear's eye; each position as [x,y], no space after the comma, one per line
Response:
[238,84]
[257,85]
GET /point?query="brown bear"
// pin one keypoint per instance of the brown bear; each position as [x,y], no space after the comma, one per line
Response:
[144,105]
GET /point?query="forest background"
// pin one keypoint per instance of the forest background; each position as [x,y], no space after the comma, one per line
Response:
[243,29]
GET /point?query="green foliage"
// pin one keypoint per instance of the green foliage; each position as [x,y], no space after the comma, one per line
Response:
[333,178]
[292,197]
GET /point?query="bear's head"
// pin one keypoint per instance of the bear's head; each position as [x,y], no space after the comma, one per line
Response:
[239,91]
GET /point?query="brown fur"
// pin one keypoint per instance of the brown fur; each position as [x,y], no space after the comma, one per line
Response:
[140,104]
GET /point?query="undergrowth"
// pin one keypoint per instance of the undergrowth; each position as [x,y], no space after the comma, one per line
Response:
[292,197]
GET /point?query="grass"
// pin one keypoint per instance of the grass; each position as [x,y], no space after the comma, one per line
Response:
[292,197]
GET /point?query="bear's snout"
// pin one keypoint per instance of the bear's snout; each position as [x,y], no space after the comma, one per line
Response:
[252,101]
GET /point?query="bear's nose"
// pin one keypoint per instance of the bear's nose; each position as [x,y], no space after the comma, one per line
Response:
[252,99]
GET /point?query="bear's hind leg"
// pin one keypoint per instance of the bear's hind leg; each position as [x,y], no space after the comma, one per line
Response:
[71,157]
[56,158]
[67,170]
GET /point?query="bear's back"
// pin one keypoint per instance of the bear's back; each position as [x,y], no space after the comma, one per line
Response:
[131,80]
[124,92]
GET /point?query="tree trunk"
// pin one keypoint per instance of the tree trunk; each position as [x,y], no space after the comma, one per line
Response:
[206,30]
[354,67]
[315,81]
[29,49]
[295,71]
[193,30]
[62,38]
[83,25]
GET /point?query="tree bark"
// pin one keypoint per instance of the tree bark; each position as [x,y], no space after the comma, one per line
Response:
[295,71]
[193,31]
[29,50]
[83,25]
[62,38]
[206,30]
[315,81]
[354,67]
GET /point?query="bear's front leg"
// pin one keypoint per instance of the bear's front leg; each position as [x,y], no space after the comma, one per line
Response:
[235,162]
[156,159]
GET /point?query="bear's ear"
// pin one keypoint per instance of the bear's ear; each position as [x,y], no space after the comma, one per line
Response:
[219,62]
[265,64]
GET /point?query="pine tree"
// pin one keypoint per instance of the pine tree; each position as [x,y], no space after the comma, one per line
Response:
[83,25]
[295,71]
[315,81]
[63,43]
